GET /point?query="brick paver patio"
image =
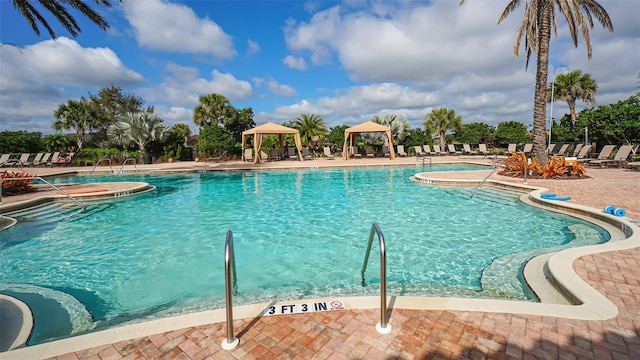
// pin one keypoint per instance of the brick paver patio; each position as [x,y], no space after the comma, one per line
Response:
[426,334]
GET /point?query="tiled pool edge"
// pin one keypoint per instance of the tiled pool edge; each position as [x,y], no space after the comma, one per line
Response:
[564,263]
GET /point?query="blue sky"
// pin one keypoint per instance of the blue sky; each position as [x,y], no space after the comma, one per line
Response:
[345,61]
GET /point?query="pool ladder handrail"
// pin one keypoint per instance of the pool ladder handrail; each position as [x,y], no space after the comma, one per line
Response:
[46,182]
[383,327]
[230,288]
[99,162]
[135,165]
[496,166]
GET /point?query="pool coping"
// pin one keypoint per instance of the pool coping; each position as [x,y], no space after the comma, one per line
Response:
[590,303]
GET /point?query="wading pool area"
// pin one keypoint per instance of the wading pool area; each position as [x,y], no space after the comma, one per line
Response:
[299,234]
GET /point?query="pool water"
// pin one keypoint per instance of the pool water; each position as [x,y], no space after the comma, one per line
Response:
[297,234]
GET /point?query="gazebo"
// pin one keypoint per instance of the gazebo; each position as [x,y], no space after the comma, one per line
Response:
[366,127]
[270,129]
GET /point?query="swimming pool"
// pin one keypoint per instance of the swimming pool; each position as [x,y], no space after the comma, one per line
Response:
[298,234]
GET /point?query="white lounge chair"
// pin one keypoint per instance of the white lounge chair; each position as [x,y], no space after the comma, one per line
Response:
[327,153]
[401,151]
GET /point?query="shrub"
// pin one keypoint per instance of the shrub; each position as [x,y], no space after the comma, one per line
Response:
[555,168]
[15,187]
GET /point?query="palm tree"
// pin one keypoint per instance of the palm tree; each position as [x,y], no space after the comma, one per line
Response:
[399,127]
[59,10]
[441,120]
[539,18]
[78,114]
[56,142]
[572,86]
[310,125]
[183,130]
[139,128]
[211,109]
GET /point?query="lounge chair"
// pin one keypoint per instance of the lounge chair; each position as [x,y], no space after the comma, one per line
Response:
[24,158]
[401,151]
[4,158]
[369,151]
[218,158]
[419,152]
[511,149]
[427,149]
[482,149]
[437,151]
[466,150]
[634,165]
[292,153]
[305,154]
[604,154]
[550,148]
[563,150]
[528,148]
[45,159]
[54,157]
[264,156]
[385,151]
[327,153]
[583,152]
[619,160]
[577,149]
[274,154]
[248,154]
[452,150]
[35,160]
[64,161]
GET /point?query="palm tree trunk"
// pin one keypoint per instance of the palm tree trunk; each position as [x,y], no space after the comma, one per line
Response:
[540,99]
[572,110]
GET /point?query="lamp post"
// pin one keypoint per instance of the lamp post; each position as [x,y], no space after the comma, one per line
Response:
[553,83]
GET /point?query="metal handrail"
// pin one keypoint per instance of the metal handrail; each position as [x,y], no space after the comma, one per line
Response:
[383,327]
[230,288]
[46,182]
[496,166]
[98,163]
[125,162]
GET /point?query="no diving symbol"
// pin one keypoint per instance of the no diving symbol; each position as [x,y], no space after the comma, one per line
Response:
[337,305]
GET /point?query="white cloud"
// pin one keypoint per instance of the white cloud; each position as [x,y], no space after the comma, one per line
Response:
[165,26]
[252,47]
[281,89]
[36,81]
[295,62]
[183,91]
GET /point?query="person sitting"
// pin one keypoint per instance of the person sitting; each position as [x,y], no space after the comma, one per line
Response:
[63,160]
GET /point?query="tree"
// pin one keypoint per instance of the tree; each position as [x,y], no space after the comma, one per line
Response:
[510,132]
[310,125]
[439,121]
[59,10]
[56,142]
[400,128]
[573,86]
[336,135]
[617,123]
[239,121]
[475,133]
[417,137]
[536,30]
[19,142]
[140,128]
[214,140]
[78,114]
[212,109]
[183,131]
[110,104]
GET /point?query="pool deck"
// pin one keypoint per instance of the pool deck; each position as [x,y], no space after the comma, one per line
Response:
[415,333]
